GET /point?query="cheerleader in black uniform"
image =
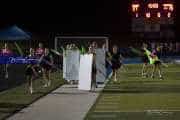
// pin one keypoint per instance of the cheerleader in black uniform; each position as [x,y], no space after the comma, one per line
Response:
[31,71]
[116,61]
[46,62]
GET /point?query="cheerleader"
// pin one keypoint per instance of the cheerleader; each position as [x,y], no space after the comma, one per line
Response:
[145,60]
[116,61]
[6,52]
[31,71]
[46,62]
[156,62]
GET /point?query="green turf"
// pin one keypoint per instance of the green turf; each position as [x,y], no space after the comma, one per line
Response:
[15,99]
[135,98]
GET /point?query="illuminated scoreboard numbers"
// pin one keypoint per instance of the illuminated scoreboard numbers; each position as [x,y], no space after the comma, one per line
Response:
[153,5]
[135,7]
[148,15]
[168,14]
[152,9]
[168,6]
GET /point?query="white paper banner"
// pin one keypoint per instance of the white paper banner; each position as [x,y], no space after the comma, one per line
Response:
[75,59]
[85,72]
[72,64]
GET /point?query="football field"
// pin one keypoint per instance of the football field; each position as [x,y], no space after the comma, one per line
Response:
[135,98]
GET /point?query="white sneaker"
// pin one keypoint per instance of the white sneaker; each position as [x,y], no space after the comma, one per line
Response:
[6,76]
[145,76]
[31,90]
[49,83]
[152,76]
[161,78]
[45,85]
[71,82]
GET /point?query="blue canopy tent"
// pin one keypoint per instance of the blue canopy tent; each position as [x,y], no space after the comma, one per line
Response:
[14,33]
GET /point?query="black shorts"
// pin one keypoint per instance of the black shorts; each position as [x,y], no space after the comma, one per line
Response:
[46,67]
[29,71]
[145,59]
[157,62]
[116,65]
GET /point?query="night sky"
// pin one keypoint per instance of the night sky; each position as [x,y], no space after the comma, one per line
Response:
[71,16]
[96,17]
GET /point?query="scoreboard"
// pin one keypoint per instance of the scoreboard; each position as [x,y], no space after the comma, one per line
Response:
[153,16]
[152,9]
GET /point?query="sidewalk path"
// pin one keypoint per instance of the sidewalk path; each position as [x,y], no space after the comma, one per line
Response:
[65,103]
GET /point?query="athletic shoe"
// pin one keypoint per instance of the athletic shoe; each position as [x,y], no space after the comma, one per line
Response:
[161,78]
[71,82]
[45,85]
[115,80]
[31,90]
[6,76]
[152,76]
[49,83]
[144,76]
